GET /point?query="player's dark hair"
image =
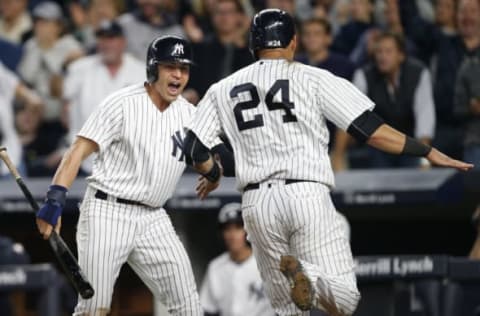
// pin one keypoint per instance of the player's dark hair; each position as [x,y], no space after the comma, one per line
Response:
[327,27]
[398,39]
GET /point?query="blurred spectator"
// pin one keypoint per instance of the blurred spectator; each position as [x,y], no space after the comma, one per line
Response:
[11,54]
[91,79]
[15,20]
[149,21]
[316,39]
[467,107]
[285,5]
[363,51]
[337,12]
[401,89]
[232,285]
[198,23]
[42,142]
[445,16]
[349,34]
[46,55]
[445,51]
[86,16]
[225,51]
[11,88]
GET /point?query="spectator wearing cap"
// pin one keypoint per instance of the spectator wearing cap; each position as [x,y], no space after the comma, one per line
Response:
[92,78]
[15,21]
[145,24]
[45,56]
[232,285]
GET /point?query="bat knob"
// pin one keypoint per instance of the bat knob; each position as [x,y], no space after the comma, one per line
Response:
[87,293]
[3,148]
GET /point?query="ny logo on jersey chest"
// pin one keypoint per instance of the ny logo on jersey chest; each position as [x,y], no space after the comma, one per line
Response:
[178,141]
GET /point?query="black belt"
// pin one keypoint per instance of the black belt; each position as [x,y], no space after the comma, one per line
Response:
[255,186]
[104,196]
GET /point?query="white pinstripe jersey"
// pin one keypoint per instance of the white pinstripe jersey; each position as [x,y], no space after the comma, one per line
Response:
[140,154]
[274,113]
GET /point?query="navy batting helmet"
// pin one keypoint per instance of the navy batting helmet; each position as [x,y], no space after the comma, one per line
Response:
[230,213]
[271,28]
[166,49]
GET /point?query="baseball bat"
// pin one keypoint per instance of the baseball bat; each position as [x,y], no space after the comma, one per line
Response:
[64,256]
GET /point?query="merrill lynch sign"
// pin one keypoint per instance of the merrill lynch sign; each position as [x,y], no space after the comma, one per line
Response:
[400,266]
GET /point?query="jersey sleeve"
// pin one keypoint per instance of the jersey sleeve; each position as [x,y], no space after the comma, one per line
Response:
[206,122]
[207,298]
[341,101]
[104,125]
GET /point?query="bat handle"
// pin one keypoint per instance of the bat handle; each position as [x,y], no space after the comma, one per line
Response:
[8,162]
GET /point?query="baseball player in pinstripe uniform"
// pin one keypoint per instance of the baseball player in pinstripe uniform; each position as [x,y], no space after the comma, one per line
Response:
[138,134]
[232,285]
[274,114]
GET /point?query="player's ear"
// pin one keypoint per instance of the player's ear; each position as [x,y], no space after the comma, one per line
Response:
[293,44]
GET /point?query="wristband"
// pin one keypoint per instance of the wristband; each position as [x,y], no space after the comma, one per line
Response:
[54,204]
[415,148]
[214,174]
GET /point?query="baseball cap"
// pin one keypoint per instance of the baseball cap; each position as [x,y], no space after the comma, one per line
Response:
[48,10]
[230,213]
[109,29]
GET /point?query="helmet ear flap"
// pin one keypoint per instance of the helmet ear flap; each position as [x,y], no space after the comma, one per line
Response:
[152,70]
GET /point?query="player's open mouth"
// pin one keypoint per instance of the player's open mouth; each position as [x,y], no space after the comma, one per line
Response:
[174,88]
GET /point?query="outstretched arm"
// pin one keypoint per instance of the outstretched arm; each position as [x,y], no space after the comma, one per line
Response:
[390,140]
[371,129]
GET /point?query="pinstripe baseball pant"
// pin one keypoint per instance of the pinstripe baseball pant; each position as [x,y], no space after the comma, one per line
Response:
[300,219]
[110,234]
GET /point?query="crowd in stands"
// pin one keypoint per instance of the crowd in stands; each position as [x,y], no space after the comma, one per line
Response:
[418,60]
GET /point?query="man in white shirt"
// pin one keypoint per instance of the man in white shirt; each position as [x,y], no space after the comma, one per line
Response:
[232,285]
[90,79]
[46,54]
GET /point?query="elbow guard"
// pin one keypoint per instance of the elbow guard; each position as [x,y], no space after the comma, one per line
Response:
[194,150]
[364,126]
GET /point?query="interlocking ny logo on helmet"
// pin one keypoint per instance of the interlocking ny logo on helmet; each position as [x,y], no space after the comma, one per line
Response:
[177,49]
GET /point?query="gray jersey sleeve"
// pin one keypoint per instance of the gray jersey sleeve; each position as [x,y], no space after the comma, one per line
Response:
[341,101]
[104,125]
[206,122]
